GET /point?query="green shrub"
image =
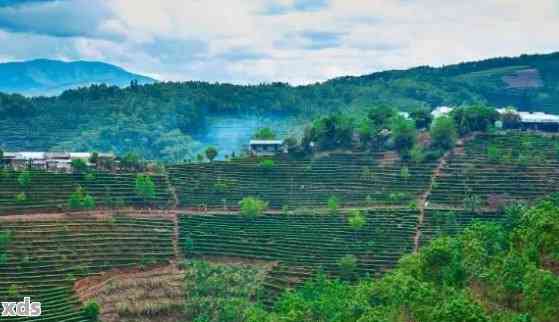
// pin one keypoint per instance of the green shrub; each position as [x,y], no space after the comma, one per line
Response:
[211,153]
[91,310]
[21,198]
[333,205]
[356,219]
[266,164]
[79,199]
[252,207]
[79,165]
[145,188]
[24,179]
[348,266]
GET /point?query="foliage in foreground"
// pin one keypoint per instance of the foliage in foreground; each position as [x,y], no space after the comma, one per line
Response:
[218,292]
[490,273]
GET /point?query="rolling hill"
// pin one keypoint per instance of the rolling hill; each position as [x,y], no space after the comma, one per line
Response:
[159,120]
[52,77]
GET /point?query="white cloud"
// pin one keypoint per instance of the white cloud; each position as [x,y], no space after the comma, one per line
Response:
[299,41]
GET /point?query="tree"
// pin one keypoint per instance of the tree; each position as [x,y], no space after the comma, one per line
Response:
[422,117]
[333,205]
[252,207]
[79,199]
[356,220]
[264,133]
[79,165]
[331,132]
[403,134]
[145,188]
[130,161]
[381,115]
[94,158]
[211,153]
[348,266]
[24,179]
[91,309]
[21,198]
[443,133]
[474,118]
[267,164]
[510,119]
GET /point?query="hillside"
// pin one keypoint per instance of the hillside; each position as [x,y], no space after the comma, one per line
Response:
[165,116]
[52,77]
[483,254]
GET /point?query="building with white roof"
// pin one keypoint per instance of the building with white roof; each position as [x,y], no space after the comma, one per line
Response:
[266,147]
[441,111]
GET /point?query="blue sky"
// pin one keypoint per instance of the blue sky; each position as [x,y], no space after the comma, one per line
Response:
[253,41]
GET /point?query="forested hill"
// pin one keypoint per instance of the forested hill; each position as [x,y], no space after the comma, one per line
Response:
[158,119]
[52,77]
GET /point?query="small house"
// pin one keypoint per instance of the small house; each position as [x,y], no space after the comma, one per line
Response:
[537,121]
[266,147]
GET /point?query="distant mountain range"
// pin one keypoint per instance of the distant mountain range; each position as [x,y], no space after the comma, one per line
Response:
[52,77]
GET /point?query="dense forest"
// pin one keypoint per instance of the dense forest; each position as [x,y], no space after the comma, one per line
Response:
[158,120]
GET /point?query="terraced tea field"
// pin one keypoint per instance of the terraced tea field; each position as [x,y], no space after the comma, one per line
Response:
[499,169]
[356,179]
[404,205]
[46,257]
[48,191]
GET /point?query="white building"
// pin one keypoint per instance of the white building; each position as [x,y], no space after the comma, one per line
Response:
[266,147]
[441,111]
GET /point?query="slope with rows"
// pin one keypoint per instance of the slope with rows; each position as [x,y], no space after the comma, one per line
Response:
[356,179]
[45,257]
[496,169]
[303,240]
[49,191]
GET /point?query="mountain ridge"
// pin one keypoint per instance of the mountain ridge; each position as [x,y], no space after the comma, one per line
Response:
[50,77]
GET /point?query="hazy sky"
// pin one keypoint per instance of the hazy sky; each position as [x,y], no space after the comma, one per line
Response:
[251,41]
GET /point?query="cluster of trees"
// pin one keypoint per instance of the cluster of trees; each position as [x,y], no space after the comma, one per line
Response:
[158,120]
[489,273]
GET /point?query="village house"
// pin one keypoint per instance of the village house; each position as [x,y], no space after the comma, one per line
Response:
[52,161]
[266,147]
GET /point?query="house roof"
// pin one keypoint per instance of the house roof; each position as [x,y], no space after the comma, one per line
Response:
[266,142]
[532,117]
[441,111]
[29,155]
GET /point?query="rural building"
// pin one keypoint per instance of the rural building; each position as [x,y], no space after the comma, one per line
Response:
[536,121]
[53,161]
[266,147]
[441,111]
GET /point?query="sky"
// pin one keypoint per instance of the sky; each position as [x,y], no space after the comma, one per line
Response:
[255,41]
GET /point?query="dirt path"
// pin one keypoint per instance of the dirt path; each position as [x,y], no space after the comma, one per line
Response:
[424,199]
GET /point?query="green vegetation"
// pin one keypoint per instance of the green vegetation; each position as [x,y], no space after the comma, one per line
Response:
[264,133]
[403,135]
[443,133]
[145,188]
[252,207]
[267,164]
[220,292]
[79,199]
[490,273]
[79,165]
[333,205]
[211,153]
[24,179]
[4,242]
[91,310]
[157,121]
